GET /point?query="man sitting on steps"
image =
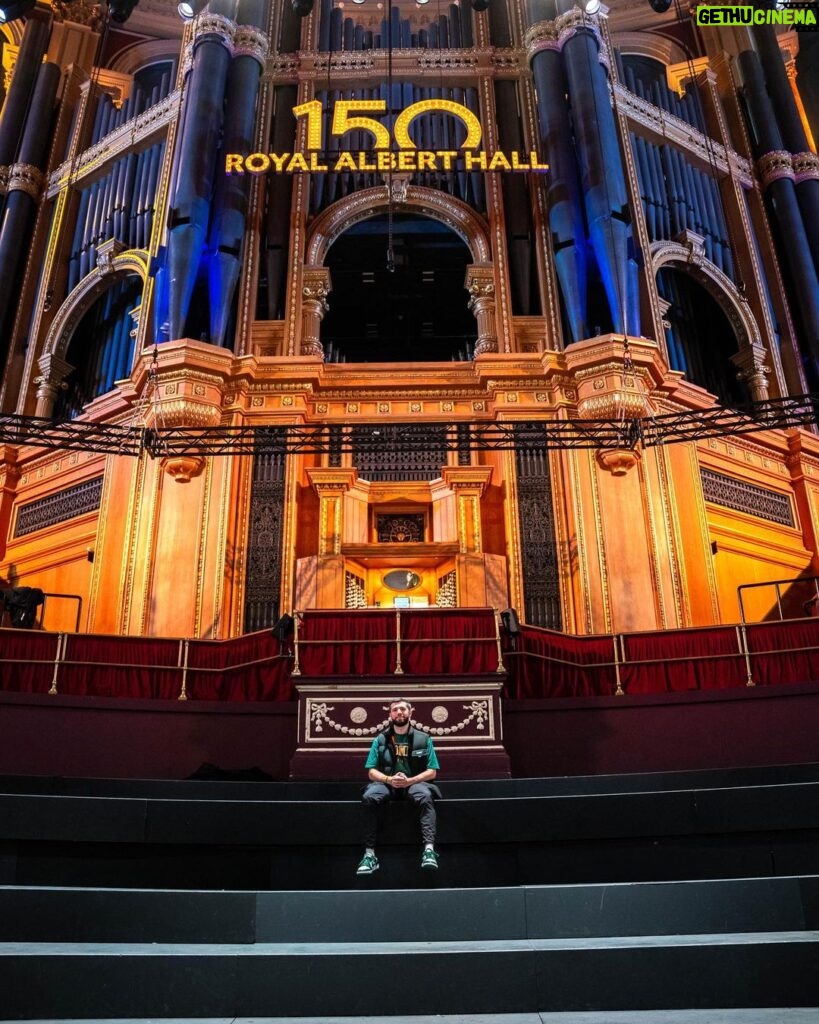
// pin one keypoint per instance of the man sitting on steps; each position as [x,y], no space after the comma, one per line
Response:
[402,762]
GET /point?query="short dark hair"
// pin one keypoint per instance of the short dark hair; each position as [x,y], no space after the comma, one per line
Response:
[400,700]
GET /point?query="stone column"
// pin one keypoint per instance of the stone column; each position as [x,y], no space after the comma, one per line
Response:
[753,371]
[316,288]
[52,380]
[468,483]
[480,283]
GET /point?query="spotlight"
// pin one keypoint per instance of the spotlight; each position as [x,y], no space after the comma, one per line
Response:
[302,7]
[480,5]
[659,6]
[358,1]
[121,10]
[188,9]
[15,9]
[591,6]
[421,3]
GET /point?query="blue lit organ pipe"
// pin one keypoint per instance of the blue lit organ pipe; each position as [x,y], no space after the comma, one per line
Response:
[515,202]
[790,125]
[279,194]
[565,209]
[15,107]
[230,198]
[785,209]
[20,207]
[189,207]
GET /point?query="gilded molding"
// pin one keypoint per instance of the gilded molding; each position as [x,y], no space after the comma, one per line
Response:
[344,213]
[775,166]
[805,167]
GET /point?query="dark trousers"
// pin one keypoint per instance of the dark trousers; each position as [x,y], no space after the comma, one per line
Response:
[377,794]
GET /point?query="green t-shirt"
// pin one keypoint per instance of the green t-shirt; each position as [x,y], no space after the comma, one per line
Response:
[401,745]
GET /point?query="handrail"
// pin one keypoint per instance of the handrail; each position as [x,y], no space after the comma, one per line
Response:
[792,581]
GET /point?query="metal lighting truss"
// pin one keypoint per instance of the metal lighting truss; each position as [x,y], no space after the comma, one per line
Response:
[521,435]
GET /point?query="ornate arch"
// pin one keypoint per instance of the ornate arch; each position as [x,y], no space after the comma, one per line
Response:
[692,259]
[429,202]
[141,55]
[649,44]
[109,269]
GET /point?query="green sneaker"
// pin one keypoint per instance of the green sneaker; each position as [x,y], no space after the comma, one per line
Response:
[369,864]
[429,859]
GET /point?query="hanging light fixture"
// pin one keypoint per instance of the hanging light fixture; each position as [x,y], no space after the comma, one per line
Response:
[188,9]
[16,9]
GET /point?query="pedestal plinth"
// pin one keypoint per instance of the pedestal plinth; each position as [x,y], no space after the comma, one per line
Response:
[339,718]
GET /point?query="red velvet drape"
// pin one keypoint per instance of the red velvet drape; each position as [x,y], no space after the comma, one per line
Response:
[119,666]
[250,667]
[690,659]
[27,660]
[780,652]
[355,643]
[458,642]
[547,664]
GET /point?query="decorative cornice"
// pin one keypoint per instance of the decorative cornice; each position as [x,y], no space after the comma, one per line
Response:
[805,167]
[775,166]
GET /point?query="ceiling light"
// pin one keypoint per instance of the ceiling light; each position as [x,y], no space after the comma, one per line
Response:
[188,9]
[591,6]
[14,10]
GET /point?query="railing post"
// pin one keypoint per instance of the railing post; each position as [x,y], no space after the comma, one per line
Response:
[742,637]
[399,671]
[296,619]
[619,691]
[183,693]
[501,667]
[62,639]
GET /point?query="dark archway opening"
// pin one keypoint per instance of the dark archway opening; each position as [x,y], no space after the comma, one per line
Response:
[101,349]
[701,340]
[418,312]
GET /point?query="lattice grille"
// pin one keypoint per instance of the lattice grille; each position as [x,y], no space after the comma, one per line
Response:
[396,528]
[447,590]
[264,542]
[355,591]
[541,583]
[57,508]
[745,497]
[389,459]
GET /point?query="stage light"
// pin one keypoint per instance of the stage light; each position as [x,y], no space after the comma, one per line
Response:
[659,6]
[359,1]
[302,7]
[188,9]
[480,5]
[422,3]
[121,10]
[15,10]
[510,622]
[591,6]
[283,628]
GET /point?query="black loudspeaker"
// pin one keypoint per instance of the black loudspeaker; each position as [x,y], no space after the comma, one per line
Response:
[21,603]
[283,628]
[510,621]
[659,6]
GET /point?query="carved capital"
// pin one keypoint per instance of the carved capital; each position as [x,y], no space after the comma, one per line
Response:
[208,27]
[480,283]
[52,380]
[80,12]
[316,286]
[618,461]
[249,41]
[184,467]
[25,178]
[753,371]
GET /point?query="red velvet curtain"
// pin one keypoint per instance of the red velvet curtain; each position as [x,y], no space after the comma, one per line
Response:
[250,667]
[354,643]
[547,664]
[27,660]
[114,667]
[780,651]
[690,659]
[456,642]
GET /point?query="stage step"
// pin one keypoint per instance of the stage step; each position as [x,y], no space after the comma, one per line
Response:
[507,833]
[70,953]
[646,972]
[772,1015]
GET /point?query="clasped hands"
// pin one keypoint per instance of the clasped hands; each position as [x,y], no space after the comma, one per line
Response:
[399,781]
